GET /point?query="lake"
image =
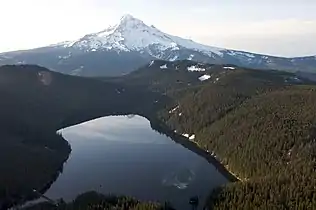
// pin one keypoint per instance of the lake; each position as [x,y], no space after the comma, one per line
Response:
[123,155]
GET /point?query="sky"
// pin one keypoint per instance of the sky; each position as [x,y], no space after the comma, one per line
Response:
[275,27]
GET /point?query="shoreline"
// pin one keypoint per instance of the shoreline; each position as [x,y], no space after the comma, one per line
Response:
[220,161]
[161,127]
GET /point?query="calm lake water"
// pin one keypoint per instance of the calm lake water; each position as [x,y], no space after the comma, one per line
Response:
[125,156]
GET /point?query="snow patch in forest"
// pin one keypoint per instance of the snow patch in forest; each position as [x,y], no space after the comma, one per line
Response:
[163,66]
[195,68]
[229,67]
[204,77]
[151,63]
[186,135]
[173,110]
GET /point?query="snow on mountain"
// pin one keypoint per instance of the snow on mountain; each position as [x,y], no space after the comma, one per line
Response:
[132,34]
[163,66]
[151,63]
[195,68]
[130,44]
[190,57]
[63,44]
[204,77]
[229,67]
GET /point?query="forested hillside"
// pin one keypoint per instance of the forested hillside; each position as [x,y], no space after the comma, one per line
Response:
[96,201]
[200,106]
[270,140]
[261,125]
[163,76]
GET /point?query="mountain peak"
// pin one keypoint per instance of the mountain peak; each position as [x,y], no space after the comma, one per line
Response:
[130,21]
[132,34]
[127,17]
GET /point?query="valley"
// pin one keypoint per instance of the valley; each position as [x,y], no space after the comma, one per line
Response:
[258,123]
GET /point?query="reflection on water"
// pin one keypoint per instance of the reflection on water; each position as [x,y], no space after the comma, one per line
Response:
[123,155]
[180,179]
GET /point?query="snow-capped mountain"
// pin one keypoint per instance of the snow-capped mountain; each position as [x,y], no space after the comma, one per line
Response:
[132,34]
[131,43]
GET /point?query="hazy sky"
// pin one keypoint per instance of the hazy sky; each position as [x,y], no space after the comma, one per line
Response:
[278,27]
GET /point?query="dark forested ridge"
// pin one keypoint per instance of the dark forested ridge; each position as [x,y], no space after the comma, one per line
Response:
[163,76]
[35,103]
[96,201]
[261,125]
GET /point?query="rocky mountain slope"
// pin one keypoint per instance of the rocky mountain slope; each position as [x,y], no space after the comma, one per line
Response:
[131,43]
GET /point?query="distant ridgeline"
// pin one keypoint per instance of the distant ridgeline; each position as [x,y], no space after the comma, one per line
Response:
[259,124]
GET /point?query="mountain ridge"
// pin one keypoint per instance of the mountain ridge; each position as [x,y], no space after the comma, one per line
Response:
[124,47]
